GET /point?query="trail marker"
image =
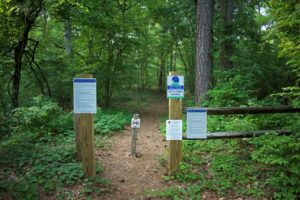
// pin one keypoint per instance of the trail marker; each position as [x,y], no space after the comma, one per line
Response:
[85,95]
[197,123]
[84,107]
[175,87]
[135,124]
[175,81]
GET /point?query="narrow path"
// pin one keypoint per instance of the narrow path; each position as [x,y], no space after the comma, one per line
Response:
[131,176]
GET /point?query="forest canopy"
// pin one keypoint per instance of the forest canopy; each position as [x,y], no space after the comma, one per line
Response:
[254,50]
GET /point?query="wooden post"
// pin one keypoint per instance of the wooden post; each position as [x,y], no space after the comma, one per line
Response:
[84,133]
[77,136]
[134,137]
[175,146]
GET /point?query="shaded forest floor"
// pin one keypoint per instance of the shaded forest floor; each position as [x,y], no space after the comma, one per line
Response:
[40,163]
[131,176]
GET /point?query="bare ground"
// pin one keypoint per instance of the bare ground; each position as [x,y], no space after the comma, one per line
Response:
[131,176]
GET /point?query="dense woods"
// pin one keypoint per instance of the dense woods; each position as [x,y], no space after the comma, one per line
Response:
[231,53]
[132,44]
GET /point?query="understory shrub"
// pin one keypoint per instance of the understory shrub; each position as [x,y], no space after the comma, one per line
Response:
[109,120]
[261,167]
[38,156]
[281,157]
[43,116]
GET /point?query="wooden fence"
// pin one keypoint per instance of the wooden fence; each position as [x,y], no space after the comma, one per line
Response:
[243,111]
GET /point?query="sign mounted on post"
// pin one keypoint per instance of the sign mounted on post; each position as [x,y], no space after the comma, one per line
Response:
[197,123]
[174,129]
[175,87]
[135,123]
[85,100]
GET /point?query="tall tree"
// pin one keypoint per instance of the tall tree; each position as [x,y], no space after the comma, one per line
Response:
[25,14]
[226,46]
[204,36]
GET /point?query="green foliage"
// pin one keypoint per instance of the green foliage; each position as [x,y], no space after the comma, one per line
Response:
[260,167]
[109,120]
[281,155]
[286,31]
[5,125]
[43,117]
[37,165]
[39,156]
[232,90]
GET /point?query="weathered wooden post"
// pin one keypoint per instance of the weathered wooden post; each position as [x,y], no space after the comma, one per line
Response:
[135,124]
[175,146]
[84,108]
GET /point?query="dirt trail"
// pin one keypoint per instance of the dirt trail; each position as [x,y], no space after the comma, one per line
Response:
[131,176]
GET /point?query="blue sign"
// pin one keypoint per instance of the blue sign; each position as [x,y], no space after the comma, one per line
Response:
[197,123]
[175,87]
[85,99]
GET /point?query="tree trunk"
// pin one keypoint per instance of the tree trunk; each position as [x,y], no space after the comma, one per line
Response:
[185,67]
[146,73]
[203,71]
[226,47]
[173,56]
[161,72]
[68,37]
[108,76]
[18,57]
[171,59]
[107,93]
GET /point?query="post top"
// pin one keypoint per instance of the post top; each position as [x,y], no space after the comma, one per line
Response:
[174,73]
[85,75]
[136,116]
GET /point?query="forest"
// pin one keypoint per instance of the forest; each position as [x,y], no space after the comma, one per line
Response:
[232,53]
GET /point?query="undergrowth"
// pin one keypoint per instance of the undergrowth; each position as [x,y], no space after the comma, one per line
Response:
[261,167]
[38,154]
[108,121]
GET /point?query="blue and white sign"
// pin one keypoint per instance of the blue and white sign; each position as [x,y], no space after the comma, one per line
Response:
[85,99]
[175,87]
[197,123]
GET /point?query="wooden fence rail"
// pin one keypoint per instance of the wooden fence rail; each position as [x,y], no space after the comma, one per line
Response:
[245,134]
[250,110]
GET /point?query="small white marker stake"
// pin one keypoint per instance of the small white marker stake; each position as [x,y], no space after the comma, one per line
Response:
[135,124]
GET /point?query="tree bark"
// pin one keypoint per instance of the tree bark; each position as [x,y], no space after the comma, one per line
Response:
[161,72]
[27,18]
[108,77]
[18,58]
[185,67]
[203,69]
[68,36]
[226,47]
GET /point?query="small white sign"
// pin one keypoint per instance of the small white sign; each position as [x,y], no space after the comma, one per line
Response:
[85,99]
[197,123]
[174,129]
[175,87]
[135,123]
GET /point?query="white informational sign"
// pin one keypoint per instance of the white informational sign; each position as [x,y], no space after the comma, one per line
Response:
[135,123]
[175,87]
[174,129]
[85,100]
[197,123]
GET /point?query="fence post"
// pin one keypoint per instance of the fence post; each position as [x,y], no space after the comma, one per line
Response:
[134,136]
[175,146]
[84,137]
